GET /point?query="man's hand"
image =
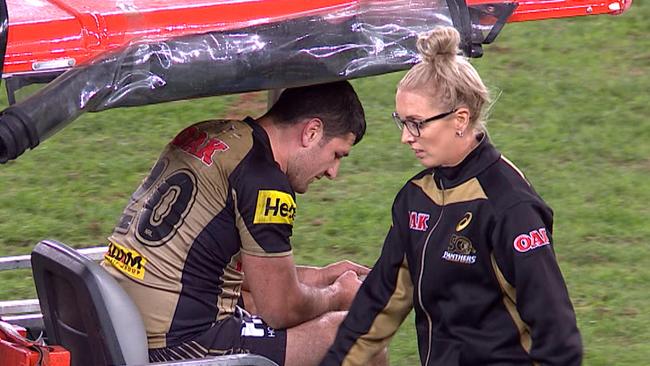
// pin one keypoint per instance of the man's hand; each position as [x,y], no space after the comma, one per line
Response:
[346,287]
[284,299]
[325,276]
[332,272]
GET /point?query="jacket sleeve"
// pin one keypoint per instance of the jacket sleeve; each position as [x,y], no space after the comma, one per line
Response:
[381,305]
[534,290]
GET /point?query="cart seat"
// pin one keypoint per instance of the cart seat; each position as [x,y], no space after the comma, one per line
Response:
[86,311]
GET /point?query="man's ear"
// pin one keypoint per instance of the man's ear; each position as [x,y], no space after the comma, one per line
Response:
[462,119]
[312,132]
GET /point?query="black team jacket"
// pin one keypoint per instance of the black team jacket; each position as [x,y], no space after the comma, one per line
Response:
[470,249]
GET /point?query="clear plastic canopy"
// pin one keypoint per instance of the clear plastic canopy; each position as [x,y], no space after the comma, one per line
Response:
[359,39]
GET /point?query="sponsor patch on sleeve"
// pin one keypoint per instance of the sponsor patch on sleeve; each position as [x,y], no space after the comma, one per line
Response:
[418,221]
[127,261]
[274,207]
[529,241]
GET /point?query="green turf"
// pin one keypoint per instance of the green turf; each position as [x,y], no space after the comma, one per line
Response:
[573,115]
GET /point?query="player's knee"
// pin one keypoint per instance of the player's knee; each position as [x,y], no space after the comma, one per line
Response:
[334,318]
[330,322]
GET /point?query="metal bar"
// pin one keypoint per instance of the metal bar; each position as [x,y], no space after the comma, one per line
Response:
[23,261]
[15,262]
[227,360]
[19,307]
[33,322]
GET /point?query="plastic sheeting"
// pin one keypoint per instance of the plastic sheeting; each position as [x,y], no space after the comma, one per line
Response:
[370,38]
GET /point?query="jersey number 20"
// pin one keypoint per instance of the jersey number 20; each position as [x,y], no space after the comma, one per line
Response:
[166,208]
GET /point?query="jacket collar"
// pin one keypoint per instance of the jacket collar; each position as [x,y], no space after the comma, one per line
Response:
[479,159]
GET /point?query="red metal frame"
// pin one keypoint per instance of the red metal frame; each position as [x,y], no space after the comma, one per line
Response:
[547,9]
[56,34]
[79,30]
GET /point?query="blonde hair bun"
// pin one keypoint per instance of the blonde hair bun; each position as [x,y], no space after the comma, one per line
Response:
[446,77]
[439,43]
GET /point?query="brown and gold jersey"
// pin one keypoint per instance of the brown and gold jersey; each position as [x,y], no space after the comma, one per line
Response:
[215,192]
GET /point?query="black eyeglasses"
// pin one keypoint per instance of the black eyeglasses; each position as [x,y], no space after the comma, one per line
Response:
[414,126]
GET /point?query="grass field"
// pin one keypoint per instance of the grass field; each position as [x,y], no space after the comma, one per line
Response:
[572,114]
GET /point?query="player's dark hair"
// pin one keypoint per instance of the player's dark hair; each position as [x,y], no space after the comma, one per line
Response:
[336,104]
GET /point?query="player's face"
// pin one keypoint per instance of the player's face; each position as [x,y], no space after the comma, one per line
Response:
[320,160]
[436,144]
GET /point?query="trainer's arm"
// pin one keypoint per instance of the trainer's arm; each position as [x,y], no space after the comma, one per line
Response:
[527,270]
[381,305]
[283,301]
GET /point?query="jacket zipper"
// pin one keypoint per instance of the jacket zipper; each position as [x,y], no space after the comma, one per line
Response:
[424,250]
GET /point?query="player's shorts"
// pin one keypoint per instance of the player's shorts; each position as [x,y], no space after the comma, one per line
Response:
[240,333]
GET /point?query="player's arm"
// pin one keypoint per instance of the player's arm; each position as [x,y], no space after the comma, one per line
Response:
[283,301]
[264,208]
[324,276]
[531,279]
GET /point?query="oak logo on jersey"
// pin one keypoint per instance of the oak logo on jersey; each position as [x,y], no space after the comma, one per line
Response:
[534,239]
[198,144]
[460,250]
[467,218]
[418,221]
[127,261]
[274,207]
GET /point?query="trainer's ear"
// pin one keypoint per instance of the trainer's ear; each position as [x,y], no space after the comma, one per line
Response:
[312,132]
[462,119]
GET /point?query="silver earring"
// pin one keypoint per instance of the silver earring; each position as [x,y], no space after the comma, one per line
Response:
[459,133]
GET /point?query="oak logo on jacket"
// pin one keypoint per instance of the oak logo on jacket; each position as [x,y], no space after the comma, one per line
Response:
[418,221]
[534,239]
[460,250]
